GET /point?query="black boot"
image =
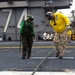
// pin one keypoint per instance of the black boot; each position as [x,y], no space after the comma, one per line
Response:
[23,57]
[28,56]
[57,54]
[60,57]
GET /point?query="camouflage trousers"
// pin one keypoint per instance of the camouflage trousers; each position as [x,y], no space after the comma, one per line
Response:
[60,42]
[26,45]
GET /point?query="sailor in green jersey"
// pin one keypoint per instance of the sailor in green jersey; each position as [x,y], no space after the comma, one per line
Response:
[27,34]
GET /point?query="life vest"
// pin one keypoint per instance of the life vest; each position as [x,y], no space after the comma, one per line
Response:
[28,28]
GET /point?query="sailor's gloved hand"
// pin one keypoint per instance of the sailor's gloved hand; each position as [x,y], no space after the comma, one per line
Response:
[33,35]
[21,35]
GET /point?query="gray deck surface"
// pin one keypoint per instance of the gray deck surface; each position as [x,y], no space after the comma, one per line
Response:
[10,58]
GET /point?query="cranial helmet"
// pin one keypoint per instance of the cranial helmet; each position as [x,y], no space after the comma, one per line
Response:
[49,15]
[30,17]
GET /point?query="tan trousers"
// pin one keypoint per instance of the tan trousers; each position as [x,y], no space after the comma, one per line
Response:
[60,42]
[69,38]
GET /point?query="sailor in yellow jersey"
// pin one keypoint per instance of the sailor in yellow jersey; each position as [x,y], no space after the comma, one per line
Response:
[60,24]
[69,35]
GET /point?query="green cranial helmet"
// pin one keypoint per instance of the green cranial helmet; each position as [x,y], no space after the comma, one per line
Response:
[30,17]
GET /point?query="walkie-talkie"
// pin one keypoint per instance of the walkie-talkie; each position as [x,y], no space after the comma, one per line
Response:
[54,22]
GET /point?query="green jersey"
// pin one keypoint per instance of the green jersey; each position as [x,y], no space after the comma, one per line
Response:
[27,28]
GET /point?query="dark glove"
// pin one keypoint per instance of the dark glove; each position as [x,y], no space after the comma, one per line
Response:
[33,35]
[21,35]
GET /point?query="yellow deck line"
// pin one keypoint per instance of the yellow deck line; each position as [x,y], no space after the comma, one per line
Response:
[34,47]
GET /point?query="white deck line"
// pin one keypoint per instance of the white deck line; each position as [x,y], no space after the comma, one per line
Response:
[51,58]
[37,73]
